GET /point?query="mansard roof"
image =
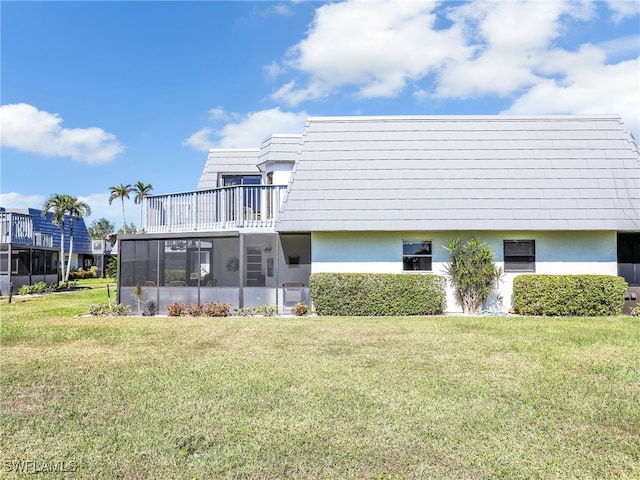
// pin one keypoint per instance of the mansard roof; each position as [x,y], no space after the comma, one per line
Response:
[578,172]
[235,161]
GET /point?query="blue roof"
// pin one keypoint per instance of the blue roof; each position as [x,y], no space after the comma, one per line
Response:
[81,238]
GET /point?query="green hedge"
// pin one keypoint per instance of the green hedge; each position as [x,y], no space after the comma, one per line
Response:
[377,294]
[569,295]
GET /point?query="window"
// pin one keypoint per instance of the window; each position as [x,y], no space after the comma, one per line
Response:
[629,257]
[230,180]
[416,255]
[519,255]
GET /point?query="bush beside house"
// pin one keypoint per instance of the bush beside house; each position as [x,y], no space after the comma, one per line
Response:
[363,294]
[569,295]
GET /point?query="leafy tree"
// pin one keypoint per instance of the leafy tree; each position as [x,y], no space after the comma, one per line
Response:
[471,272]
[141,190]
[127,230]
[120,191]
[101,228]
[112,267]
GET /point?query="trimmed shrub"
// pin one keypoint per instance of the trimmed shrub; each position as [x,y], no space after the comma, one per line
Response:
[173,275]
[569,295]
[195,309]
[215,309]
[176,310]
[106,310]
[37,288]
[372,294]
[300,309]
[245,311]
[267,310]
[80,274]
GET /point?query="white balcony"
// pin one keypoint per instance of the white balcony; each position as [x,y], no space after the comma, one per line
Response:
[225,208]
[16,228]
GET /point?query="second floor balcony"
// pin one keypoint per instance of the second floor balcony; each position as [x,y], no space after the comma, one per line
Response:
[235,207]
[17,228]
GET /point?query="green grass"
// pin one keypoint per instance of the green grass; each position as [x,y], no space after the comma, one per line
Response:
[392,398]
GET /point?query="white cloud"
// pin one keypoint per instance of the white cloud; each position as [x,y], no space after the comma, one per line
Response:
[248,130]
[282,9]
[467,50]
[621,47]
[100,208]
[380,46]
[18,200]
[585,85]
[291,95]
[623,8]
[274,69]
[28,129]
[218,113]
[376,45]
[509,39]
[201,140]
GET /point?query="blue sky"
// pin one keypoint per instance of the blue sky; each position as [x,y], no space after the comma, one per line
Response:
[94,94]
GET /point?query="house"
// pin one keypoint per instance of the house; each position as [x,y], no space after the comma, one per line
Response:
[30,248]
[549,194]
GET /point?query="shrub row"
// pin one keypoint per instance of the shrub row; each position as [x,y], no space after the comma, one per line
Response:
[109,310]
[377,294]
[37,288]
[569,295]
[80,274]
[208,309]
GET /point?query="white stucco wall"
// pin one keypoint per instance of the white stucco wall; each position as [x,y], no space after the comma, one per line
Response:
[281,172]
[381,252]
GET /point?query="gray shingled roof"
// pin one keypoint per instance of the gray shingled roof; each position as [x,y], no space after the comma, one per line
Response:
[464,173]
[228,161]
[280,148]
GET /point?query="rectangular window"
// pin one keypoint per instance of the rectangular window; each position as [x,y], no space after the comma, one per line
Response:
[519,255]
[230,180]
[416,255]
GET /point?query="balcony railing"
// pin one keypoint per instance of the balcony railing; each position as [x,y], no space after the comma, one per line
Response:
[99,246]
[240,206]
[16,228]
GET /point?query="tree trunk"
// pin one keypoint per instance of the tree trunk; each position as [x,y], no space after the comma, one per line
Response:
[61,261]
[66,277]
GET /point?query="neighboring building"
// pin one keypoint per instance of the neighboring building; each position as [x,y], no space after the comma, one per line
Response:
[30,248]
[549,194]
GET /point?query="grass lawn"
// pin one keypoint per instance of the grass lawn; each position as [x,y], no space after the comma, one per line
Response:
[362,398]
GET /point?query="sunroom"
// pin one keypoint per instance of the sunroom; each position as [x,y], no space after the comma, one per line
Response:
[241,269]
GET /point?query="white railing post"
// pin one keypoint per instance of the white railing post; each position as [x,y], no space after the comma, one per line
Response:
[219,208]
[195,210]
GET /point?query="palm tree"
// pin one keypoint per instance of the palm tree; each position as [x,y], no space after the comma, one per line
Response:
[77,210]
[120,191]
[141,190]
[59,205]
